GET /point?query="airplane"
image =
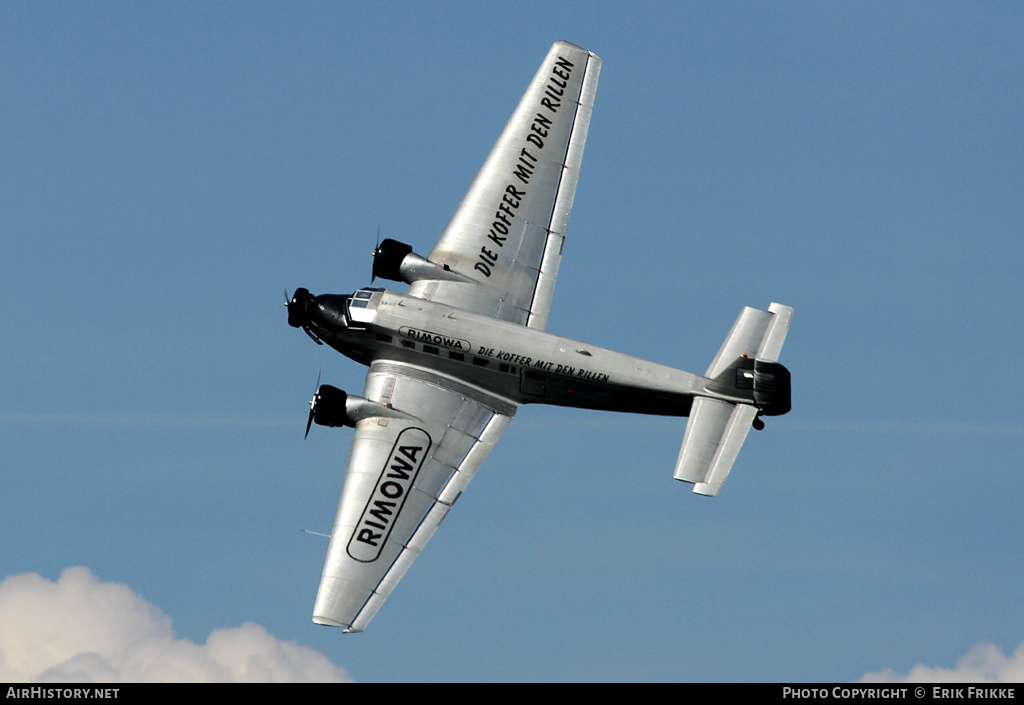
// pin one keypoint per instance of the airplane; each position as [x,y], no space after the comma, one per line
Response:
[452,359]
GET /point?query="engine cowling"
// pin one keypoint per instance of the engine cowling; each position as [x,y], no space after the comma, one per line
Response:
[387,259]
[298,308]
[330,407]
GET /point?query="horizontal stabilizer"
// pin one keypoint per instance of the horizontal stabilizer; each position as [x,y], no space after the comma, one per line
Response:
[714,435]
[771,346]
[756,333]
[745,368]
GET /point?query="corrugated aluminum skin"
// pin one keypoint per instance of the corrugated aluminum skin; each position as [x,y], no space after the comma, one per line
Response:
[508,231]
[454,435]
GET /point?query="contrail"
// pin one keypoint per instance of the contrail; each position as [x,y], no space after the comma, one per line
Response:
[902,427]
[167,420]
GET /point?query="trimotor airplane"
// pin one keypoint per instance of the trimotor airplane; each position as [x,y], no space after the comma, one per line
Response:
[451,360]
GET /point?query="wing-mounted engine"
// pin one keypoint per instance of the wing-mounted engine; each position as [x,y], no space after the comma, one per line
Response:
[332,407]
[395,261]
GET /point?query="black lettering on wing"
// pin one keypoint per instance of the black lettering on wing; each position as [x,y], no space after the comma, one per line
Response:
[386,501]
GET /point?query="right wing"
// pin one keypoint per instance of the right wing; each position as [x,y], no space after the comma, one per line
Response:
[508,231]
[403,477]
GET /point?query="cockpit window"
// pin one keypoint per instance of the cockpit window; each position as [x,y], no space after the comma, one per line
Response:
[362,307]
[361,298]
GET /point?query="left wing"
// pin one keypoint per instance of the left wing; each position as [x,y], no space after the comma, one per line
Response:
[507,233]
[403,477]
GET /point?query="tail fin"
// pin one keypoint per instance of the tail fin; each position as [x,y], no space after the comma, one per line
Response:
[746,380]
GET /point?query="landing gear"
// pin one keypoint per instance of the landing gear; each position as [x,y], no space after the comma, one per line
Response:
[758,424]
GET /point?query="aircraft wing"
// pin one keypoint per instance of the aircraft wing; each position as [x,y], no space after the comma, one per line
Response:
[403,477]
[508,231]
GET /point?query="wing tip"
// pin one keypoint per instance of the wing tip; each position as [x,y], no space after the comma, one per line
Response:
[564,44]
[328,622]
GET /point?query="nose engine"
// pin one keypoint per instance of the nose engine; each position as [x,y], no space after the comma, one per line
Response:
[298,308]
[300,313]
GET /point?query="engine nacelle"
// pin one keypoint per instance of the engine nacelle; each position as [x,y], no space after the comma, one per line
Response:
[332,407]
[395,261]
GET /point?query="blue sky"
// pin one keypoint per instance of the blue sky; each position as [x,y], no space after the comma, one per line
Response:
[169,169]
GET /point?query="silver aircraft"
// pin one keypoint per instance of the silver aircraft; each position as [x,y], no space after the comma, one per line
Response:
[452,359]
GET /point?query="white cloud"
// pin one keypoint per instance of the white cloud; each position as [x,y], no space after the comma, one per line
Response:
[985,663]
[79,629]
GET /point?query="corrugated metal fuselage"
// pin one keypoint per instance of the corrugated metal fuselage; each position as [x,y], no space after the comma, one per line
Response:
[520,364]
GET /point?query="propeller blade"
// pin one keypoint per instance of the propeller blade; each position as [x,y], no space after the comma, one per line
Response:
[313,403]
[376,251]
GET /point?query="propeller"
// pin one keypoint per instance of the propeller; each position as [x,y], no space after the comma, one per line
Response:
[298,311]
[376,251]
[313,402]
